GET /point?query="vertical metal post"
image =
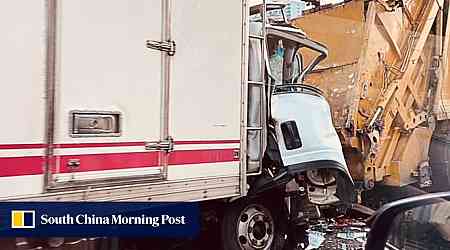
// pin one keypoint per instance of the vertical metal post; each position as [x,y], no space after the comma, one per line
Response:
[262,128]
[50,89]
[166,35]
[244,97]
[439,25]
[266,95]
[436,69]
[444,86]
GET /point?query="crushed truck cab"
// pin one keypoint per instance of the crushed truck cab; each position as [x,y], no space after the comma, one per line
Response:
[304,129]
[301,138]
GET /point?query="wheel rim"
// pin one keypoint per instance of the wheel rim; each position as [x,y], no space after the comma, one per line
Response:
[255,228]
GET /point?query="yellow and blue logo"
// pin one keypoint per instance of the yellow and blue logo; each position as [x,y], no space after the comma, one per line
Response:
[22,219]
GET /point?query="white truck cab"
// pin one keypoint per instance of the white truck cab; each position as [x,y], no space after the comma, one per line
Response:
[301,137]
[293,149]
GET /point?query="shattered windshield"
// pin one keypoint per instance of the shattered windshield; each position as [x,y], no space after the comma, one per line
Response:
[281,56]
[276,56]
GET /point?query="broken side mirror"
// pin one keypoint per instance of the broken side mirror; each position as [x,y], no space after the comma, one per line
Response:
[420,222]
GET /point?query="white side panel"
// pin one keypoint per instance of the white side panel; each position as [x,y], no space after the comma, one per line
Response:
[203,170]
[21,185]
[206,146]
[206,82]
[104,65]
[22,74]
[22,95]
[22,153]
[187,190]
[94,175]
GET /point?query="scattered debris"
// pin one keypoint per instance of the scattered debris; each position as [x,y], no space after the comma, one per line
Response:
[351,235]
[315,239]
[339,233]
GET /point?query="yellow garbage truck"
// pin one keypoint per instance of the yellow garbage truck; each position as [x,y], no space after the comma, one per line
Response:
[386,81]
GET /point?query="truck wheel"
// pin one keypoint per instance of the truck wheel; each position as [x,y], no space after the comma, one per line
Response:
[251,224]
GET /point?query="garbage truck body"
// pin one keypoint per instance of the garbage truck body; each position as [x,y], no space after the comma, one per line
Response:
[387,81]
[166,101]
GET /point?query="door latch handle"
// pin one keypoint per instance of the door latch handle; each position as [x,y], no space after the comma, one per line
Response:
[73,164]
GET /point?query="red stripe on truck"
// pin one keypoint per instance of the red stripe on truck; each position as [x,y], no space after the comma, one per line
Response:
[206,142]
[99,145]
[108,144]
[14,166]
[201,156]
[127,144]
[98,162]
[30,165]
[21,146]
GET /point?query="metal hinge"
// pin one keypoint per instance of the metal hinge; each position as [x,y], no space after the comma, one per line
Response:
[165,145]
[167,46]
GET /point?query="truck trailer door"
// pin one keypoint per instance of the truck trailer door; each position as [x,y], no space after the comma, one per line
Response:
[108,91]
[22,77]
[205,89]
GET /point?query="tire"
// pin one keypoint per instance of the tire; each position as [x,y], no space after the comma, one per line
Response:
[268,225]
